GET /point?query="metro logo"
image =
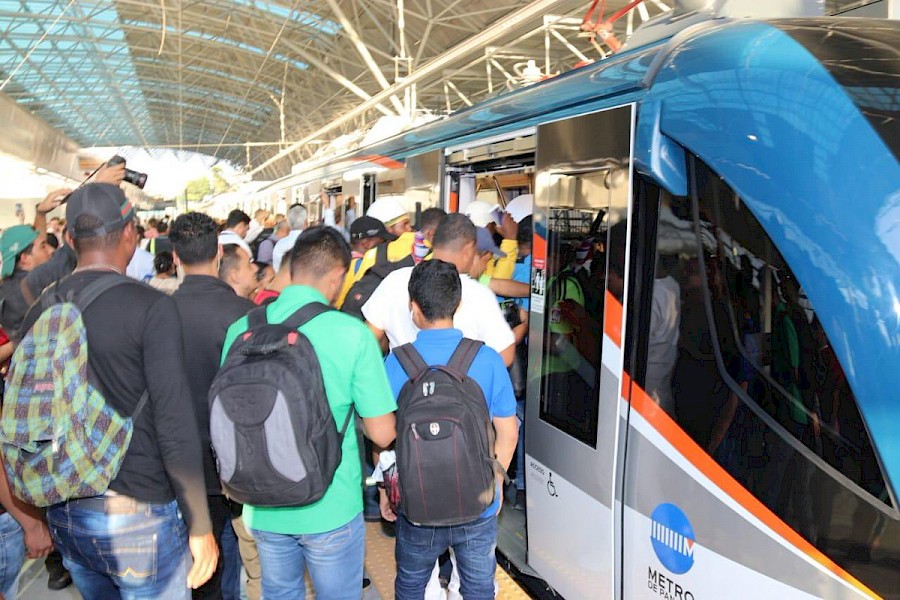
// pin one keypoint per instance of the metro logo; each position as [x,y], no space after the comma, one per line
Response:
[673,540]
[672,537]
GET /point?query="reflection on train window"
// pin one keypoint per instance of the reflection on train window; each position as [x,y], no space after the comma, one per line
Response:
[583,209]
[782,418]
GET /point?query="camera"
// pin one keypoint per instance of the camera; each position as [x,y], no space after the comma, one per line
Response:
[132,177]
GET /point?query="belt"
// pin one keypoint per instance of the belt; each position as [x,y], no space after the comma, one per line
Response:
[112,504]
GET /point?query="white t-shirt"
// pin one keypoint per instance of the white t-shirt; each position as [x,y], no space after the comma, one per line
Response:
[478,317]
[665,321]
[141,265]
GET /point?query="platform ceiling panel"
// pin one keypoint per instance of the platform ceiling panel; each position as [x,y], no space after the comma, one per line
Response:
[216,74]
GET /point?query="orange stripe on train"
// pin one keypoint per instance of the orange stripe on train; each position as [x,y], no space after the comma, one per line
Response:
[669,429]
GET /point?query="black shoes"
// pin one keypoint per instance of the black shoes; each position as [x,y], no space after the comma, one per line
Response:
[59,576]
[60,580]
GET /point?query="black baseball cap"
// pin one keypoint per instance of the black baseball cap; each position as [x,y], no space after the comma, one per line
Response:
[106,202]
[369,227]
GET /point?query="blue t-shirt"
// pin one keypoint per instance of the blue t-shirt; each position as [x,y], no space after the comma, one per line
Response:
[522,274]
[436,347]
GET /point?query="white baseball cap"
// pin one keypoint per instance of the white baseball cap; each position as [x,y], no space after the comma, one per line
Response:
[388,210]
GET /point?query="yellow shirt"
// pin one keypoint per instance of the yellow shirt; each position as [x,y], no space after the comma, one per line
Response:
[501,268]
[397,251]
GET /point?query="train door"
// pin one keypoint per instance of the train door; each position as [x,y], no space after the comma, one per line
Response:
[572,424]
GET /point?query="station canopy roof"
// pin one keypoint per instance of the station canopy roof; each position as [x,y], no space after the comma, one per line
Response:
[236,78]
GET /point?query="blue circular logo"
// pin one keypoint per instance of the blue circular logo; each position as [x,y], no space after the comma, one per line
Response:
[673,538]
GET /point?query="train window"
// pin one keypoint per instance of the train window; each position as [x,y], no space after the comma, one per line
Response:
[752,378]
[584,209]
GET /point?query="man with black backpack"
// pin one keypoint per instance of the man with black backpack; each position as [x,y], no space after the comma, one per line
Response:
[458,429]
[127,506]
[294,373]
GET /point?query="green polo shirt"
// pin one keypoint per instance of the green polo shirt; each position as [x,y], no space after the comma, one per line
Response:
[353,371]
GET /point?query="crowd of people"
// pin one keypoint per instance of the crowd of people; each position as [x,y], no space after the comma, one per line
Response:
[169,524]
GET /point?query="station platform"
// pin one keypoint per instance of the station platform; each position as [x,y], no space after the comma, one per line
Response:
[380,569]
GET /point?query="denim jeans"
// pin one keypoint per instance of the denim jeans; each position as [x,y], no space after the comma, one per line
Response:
[419,547]
[12,554]
[128,556]
[334,560]
[230,558]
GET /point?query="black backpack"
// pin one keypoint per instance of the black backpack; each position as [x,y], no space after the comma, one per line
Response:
[363,289]
[445,440]
[272,430]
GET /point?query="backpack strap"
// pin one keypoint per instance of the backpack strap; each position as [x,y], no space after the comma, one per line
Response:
[306,314]
[410,359]
[464,355]
[381,254]
[85,298]
[94,290]
[257,317]
[141,404]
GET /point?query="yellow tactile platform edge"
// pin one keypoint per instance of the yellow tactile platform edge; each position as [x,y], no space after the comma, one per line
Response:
[382,569]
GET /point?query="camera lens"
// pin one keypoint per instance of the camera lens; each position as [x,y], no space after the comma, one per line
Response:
[135,178]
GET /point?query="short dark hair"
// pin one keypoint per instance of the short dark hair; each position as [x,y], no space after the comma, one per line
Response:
[318,250]
[436,287]
[87,222]
[53,241]
[431,218]
[162,227]
[230,260]
[453,232]
[163,262]
[236,217]
[195,238]
[526,230]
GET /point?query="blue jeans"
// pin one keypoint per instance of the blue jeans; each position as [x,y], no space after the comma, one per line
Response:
[130,556]
[419,547]
[231,564]
[12,554]
[334,560]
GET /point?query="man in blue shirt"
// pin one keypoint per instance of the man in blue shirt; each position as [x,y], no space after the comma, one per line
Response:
[435,291]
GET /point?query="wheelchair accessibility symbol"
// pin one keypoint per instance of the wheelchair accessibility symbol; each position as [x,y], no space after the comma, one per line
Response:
[551,487]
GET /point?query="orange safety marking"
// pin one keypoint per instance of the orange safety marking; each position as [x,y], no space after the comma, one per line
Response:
[669,429]
[538,250]
[612,319]
[382,161]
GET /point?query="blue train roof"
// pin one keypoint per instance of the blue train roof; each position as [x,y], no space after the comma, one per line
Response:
[801,118]
[813,155]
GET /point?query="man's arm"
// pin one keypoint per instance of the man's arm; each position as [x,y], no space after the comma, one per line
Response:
[178,436]
[509,288]
[380,337]
[37,536]
[6,351]
[381,430]
[49,203]
[507,429]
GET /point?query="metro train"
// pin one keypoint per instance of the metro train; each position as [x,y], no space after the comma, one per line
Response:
[714,415]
